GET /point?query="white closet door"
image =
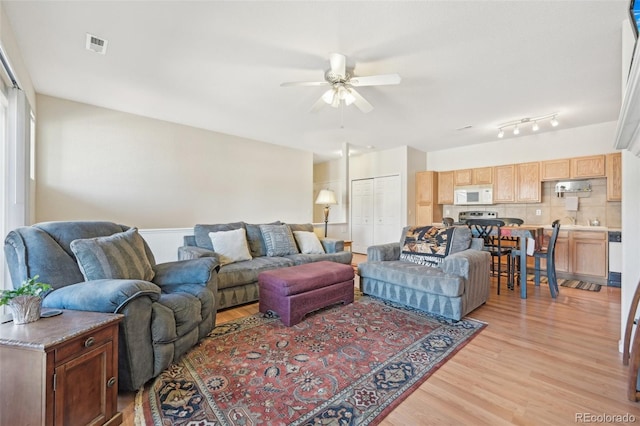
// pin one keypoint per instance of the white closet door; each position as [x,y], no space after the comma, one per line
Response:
[387,210]
[361,215]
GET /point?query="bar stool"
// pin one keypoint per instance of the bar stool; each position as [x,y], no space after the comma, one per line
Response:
[489,230]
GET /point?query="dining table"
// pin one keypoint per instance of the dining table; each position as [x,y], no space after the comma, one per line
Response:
[530,238]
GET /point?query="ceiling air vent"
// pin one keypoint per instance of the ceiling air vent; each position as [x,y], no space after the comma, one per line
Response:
[96,44]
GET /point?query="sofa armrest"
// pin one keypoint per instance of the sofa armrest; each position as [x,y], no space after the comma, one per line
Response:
[107,295]
[332,245]
[191,271]
[477,244]
[190,252]
[382,252]
[466,261]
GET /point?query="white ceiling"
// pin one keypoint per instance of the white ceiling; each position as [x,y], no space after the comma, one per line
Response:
[218,65]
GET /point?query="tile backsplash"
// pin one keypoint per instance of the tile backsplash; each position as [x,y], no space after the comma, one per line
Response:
[591,205]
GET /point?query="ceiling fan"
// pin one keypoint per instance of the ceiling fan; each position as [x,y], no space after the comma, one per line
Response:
[343,85]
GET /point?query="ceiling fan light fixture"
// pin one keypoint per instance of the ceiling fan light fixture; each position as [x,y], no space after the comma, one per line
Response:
[328,96]
[348,97]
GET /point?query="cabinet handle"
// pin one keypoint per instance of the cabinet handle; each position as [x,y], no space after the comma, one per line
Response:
[111,382]
[89,342]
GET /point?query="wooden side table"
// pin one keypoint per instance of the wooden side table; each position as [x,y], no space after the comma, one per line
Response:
[60,370]
[347,244]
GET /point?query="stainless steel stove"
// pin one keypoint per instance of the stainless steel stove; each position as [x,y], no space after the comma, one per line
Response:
[476,214]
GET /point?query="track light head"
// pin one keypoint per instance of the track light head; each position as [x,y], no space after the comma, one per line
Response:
[554,122]
[535,126]
[516,130]
[501,134]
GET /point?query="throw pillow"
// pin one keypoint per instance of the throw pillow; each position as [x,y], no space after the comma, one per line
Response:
[426,245]
[308,242]
[231,246]
[279,240]
[117,256]
[255,240]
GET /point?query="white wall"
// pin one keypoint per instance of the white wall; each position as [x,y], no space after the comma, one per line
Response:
[10,47]
[96,163]
[563,143]
[403,161]
[416,162]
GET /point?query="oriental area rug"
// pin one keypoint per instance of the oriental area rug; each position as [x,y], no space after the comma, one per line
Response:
[344,365]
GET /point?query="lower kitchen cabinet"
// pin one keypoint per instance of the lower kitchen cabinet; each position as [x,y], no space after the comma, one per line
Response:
[588,253]
[581,254]
[60,370]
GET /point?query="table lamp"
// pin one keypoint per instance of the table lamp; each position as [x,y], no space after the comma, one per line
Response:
[326,197]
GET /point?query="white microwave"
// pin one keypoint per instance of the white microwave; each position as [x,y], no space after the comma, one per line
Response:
[470,195]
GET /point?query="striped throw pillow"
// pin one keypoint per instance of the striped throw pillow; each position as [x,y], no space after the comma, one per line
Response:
[117,256]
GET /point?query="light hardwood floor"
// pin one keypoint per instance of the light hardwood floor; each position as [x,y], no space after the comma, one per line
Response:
[539,361]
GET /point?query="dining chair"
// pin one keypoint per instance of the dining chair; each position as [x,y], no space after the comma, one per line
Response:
[513,242]
[489,230]
[631,349]
[548,253]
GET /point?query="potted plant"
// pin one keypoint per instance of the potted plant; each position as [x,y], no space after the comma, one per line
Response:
[25,302]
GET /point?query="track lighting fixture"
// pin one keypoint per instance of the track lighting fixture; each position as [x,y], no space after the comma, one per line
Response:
[517,124]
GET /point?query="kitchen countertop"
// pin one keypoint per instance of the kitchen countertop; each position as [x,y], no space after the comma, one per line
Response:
[582,228]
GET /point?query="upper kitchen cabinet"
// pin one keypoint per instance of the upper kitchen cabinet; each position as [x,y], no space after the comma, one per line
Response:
[504,184]
[588,167]
[528,186]
[614,177]
[483,176]
[427,211]
[445,187]
[555,169]
[463,177]
[478,176]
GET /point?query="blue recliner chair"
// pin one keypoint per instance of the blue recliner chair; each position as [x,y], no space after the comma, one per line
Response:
[167,308]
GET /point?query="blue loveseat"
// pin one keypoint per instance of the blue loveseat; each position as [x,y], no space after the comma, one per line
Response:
[167,309]
[453,288]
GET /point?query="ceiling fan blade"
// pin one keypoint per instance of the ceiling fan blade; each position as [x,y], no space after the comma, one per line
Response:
[304,83]
[376,80]
[317,106]
[338,64]
[362,104]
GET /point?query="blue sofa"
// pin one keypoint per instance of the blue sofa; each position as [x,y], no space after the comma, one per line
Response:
[457,286]
[238,282]
[164,315]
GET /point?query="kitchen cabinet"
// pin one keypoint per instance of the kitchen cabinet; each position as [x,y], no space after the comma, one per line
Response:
[528,186]
[477,176]
[445,187]
[588,167]
[463,177]
[614,176]
[427,210]
[504,185]
[588,253]
[60,370]
[483,176]
[555,169]
[580,254]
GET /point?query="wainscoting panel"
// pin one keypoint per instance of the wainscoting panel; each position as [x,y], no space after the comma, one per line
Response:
[164,242]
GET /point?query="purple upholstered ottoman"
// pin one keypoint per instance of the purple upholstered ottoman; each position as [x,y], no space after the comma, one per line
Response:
[295,291]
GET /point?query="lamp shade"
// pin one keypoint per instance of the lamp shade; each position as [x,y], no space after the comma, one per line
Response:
[326,197]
